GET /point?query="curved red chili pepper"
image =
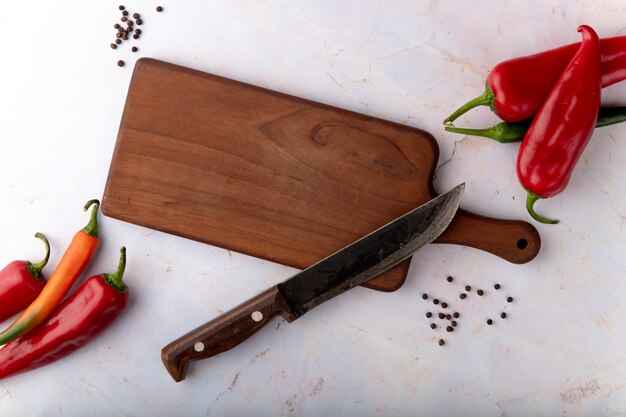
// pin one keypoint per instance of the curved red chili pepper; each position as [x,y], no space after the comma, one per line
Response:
[21,282]
[562,127]
[76,322]
[516,88]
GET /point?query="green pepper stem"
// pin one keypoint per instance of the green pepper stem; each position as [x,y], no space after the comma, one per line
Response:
[611,115]
[531,199]
[115,279]
[485,99]
[502,132]
[35,268]
[92,226]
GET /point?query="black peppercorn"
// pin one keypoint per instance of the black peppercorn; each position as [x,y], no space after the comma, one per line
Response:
[497,286]
[138,21]
[136,15]
[122,7]
[480,292]
[118,41]
[120,63]
[138,31]
[123,18]
[113,46]
[134,49]
[503,315]
[159,9]
[489,322]
[116,26]
[433,326]
[468,288]
[135,36]
[444,305]
[450,328]
[448,317]
[453,323]
[509,299]
[124,13]
[456,315]
[462,296]
[424,296]
[442,316]
[435,301]
[429,314]
[450,279]
[442,342]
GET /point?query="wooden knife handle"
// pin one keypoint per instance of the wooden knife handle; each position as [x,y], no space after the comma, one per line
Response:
[223,333]
[516,241]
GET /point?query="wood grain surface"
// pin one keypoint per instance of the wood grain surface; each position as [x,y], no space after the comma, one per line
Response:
[275,176]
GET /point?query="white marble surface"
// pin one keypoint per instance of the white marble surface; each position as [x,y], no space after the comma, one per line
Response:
[562,350]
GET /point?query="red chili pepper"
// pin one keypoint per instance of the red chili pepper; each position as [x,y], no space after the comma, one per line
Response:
[515,89]
[563,126]
[21,282]
[76,322]
[71,265]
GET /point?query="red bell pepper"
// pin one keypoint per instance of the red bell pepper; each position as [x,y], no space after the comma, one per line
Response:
[21,282]
[515,89]
[71,265]
[563,126]
[77,321]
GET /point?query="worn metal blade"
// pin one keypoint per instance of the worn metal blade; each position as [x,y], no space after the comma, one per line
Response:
[371,255]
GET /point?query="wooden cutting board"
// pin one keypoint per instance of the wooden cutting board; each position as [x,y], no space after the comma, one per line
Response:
[275,176]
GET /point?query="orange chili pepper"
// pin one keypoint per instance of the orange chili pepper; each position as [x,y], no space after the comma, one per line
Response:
[74,260]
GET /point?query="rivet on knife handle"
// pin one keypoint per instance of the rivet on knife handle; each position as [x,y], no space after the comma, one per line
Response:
[223,333]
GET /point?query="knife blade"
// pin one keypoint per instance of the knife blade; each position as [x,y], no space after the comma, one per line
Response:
[349,267]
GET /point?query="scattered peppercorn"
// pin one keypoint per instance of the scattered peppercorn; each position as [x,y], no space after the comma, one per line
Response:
[116,26]
[138,31]
[509,299]
[433,326]
[429,314]
[453,323]
[139,21]
[468,288]
[122,7]
[448,317]
[450,279]
[442,342]
[118,41]
[136,15]
[497,286]
[503,315]
[462,296]
[450,328]
[480,292]
[113,46]
[124,13]
[456,315]
[424,296]
[435,301]
[120,63]
[489,322]
[130,23]
[124,18]
[442,316]
[136,35]
[444,305]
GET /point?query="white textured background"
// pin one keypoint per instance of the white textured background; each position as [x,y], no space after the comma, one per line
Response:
[560,353]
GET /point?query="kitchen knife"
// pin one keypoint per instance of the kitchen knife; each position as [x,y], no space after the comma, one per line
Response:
[351,266]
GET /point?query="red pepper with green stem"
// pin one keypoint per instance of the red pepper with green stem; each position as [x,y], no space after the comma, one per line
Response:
[77,321]
[74,260]
[21,282]
[563,126]
[515,89]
